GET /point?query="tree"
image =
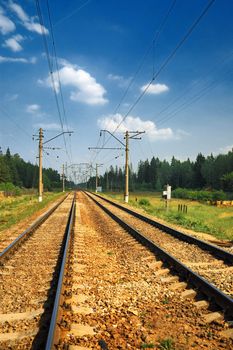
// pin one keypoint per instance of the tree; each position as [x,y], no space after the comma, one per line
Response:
[199,180]
[227,182]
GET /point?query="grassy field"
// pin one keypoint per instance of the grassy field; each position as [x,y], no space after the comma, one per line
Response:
[15,209]
[200,217]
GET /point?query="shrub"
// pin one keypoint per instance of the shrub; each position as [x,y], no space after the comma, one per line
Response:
[9,189]
[199,195]
[144,201]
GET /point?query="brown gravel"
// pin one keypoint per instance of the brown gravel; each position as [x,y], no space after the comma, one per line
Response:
[25,280]
[200,261]
[131,307]
[10,234]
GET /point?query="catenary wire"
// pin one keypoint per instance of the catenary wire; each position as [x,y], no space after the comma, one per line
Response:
[166,62]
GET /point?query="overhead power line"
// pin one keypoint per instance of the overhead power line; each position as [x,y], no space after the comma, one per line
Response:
[166,62]
[157,33]
[168,59]
[50,66]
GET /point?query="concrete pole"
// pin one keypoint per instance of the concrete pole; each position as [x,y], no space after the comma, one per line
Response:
[107,182]
[40,164]
[63,178]
[126,197]
[96,177]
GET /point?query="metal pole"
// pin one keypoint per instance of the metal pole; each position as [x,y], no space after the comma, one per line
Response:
[126,197]
[40,164]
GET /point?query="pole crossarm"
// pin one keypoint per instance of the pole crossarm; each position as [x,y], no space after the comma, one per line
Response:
[136,133]
[62,133]
[53,148]
[106,148]
[113,136]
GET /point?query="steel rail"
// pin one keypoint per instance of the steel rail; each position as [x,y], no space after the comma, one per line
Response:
[9,249]
[214,294]
[216,251]
[54,331]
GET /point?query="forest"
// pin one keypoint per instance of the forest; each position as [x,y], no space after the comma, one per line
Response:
[14,170]
[211,172]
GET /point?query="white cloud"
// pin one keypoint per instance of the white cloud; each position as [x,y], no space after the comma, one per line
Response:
[111,121]
[226,149]
[32,109]
[48,126]
[19,11]
[119,79]
[27,22]
[85,87]
[155,89]
[12,97]
[13,43]
[31,60]
[36,27]
[6,25]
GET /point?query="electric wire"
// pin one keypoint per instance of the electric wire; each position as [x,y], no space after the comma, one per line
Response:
[58,76]
[72,13]
[166,62]
[50,66]
[157,33]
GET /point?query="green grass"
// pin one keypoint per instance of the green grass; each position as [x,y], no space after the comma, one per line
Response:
[167,344]
[147,346]
[15,209]
[201,217]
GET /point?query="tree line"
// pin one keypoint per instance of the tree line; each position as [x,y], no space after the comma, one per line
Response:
[211,172]
[13,169]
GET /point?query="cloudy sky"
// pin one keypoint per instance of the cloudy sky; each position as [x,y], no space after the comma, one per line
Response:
[116,65]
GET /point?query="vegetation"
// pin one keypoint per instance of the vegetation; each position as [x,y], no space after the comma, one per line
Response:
[14,171]
[200,217]
[147,346]
[199,195]
[204,173]
[167,344]
[14,209]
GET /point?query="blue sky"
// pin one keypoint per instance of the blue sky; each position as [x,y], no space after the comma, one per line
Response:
[100,44]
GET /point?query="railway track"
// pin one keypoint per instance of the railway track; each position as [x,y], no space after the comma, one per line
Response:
[105,291]
[29,271]
[207,268]
[117,295]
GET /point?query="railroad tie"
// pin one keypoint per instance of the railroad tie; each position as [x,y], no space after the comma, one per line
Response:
[169,279]
[18,335]
[201,304]
[80,330]
[154,264]
[188,294]
[212,317]
[78,347]
[162,272]
[227,333]
[178,286]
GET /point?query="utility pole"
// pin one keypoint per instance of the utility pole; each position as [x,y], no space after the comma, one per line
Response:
[40,164]
[63,178]
[107,182]
[126,197]
[41,148]
[90,177]
[133,136]
[96,176]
